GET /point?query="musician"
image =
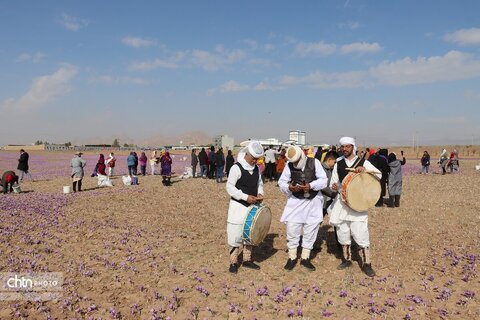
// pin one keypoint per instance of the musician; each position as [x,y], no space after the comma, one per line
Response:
[245,187]
[348,222]
[302,180]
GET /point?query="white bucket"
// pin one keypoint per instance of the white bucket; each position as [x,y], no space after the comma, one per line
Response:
[66,189]
[16,188]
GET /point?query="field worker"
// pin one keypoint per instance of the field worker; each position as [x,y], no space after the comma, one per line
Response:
[153,161]
[9,178]
[110,163]
[245,187]
[302,179]
[23,165]
[77,165]
[347,221]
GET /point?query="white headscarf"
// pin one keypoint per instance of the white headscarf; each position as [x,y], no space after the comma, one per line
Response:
[255,149]
[349,140]
[296,156]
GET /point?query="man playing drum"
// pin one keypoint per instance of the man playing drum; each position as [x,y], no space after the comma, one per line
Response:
[301,180]
[245,187]
[348,221]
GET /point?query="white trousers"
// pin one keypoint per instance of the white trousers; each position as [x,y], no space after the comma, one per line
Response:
[356,229]
[294,230]
[234,234]
[110,171]
[153,168]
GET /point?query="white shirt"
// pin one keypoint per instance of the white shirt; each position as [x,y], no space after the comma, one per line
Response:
[303,210]
[338,210]
[270,156]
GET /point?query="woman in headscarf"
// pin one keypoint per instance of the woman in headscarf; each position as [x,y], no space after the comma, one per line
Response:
[166,165]
[77,165]
[100,166]
[394,179]
[131,164]
[425,162]
[443,161]
[143,163]
[153,161]
[230,161]
[453,161]
[110,163]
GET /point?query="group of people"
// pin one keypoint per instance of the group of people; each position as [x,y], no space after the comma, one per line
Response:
[10,178]
[213,164]
[449,163]
[312,188]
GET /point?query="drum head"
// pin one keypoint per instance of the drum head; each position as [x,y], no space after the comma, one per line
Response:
[260,225]
[363,191]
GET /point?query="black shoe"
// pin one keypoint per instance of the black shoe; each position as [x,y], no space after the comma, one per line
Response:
[251,265]
[233,268]
[307,264]
[290,264]
[344,265]
[367,269]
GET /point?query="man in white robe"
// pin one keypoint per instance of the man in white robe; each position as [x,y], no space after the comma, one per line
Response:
[302,180]
[245,187]
[348,222]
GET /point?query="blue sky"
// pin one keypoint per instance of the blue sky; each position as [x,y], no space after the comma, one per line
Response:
[382,71]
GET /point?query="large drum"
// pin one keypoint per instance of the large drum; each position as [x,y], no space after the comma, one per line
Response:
[360,191]
[257,224]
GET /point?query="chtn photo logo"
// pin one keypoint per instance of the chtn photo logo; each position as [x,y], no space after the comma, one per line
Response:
[20,282]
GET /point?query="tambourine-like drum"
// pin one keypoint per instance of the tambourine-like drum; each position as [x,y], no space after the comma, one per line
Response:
[257,224]
[360,191]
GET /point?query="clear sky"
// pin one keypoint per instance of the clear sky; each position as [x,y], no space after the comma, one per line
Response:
[382,71]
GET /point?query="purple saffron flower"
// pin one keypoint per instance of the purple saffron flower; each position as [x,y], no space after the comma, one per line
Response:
[343,293]
[468,294]
[390,303]
[327,313]
[262,291]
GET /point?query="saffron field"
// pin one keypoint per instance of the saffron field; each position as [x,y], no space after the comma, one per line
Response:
[155,252]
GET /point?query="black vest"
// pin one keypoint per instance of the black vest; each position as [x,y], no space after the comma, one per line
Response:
[248,183]
[303,177]
[342,167]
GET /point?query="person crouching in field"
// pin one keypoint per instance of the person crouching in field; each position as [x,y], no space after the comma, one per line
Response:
[245,187]
[394,179]
[9,178]
[302,179]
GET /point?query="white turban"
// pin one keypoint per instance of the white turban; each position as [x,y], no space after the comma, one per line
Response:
[255,149]
[349,140]
[296,156]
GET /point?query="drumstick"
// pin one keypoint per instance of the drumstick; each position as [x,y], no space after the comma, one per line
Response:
[366,171]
